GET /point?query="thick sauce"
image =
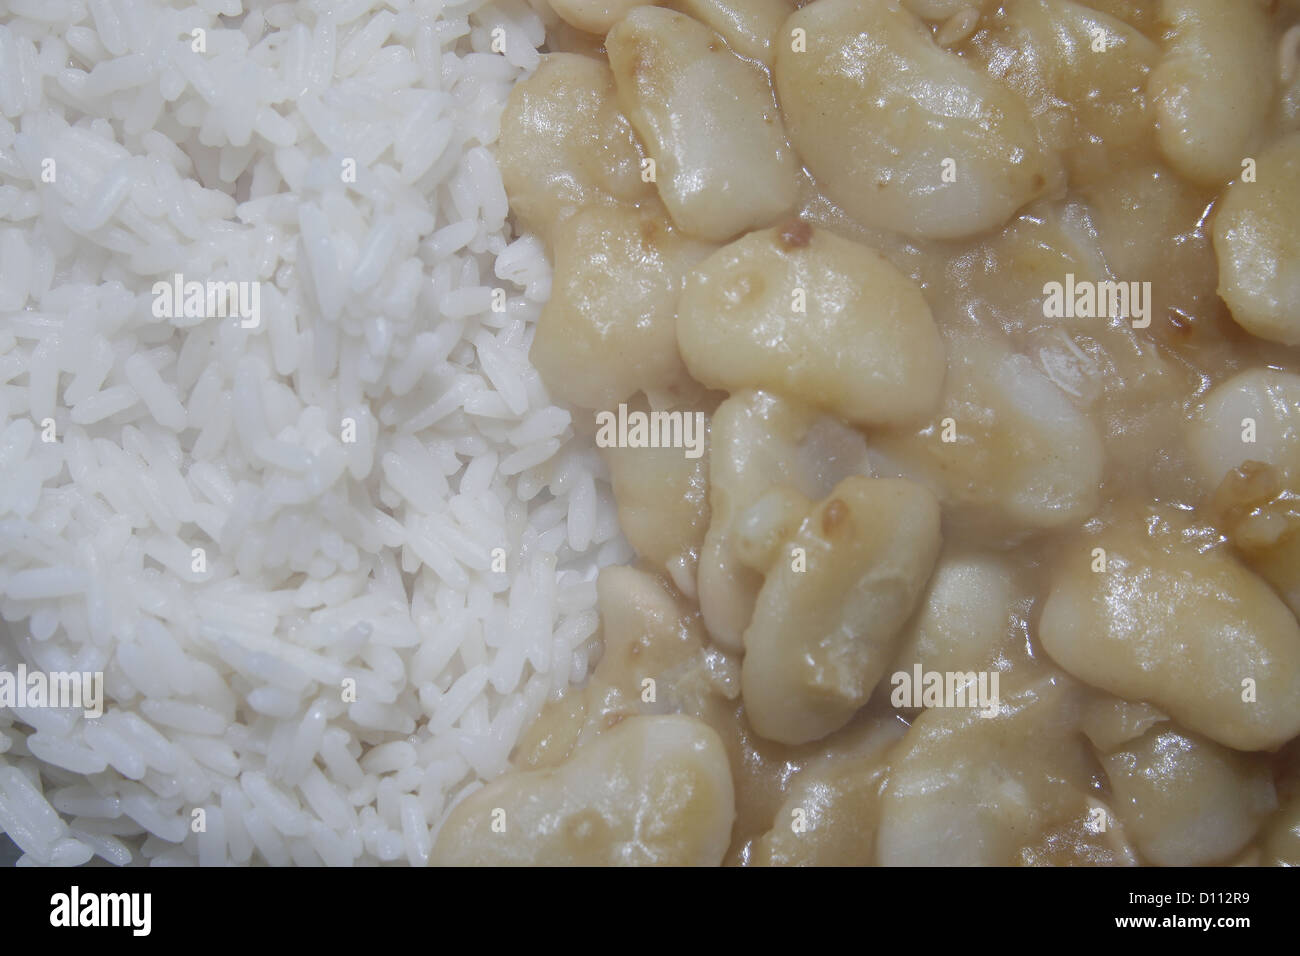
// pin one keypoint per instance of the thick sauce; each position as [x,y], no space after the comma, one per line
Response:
[992,311]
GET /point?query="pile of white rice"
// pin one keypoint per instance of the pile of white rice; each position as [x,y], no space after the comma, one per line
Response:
[329,563]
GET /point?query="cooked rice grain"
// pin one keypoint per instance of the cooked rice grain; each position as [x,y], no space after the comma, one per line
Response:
[278,540]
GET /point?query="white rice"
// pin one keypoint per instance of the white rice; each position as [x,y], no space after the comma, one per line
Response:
[349,467]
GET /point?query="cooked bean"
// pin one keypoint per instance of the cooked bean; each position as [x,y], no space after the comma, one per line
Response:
[1082,75]
[708,119]
[1213,89]
[1282,840]
[663,503]
[1020,454]
[1111,722]
[648,791]
[1142,14]
[761,527]
[1187,801]
[1116,563]
[966,790]
[942,9]
[1243,443]
[608,330]
[763,445]
[964,621]
[1257,240]
[1258,507]
[594,16]
[748,26]
[880,113]
[1187,629]
[565,144]
[814,317]
[827,620]
[550,738]
[1091,836]
[647,635]
[1253,416]
[830,815]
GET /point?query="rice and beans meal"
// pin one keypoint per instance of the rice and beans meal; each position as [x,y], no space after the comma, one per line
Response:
[598,432]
